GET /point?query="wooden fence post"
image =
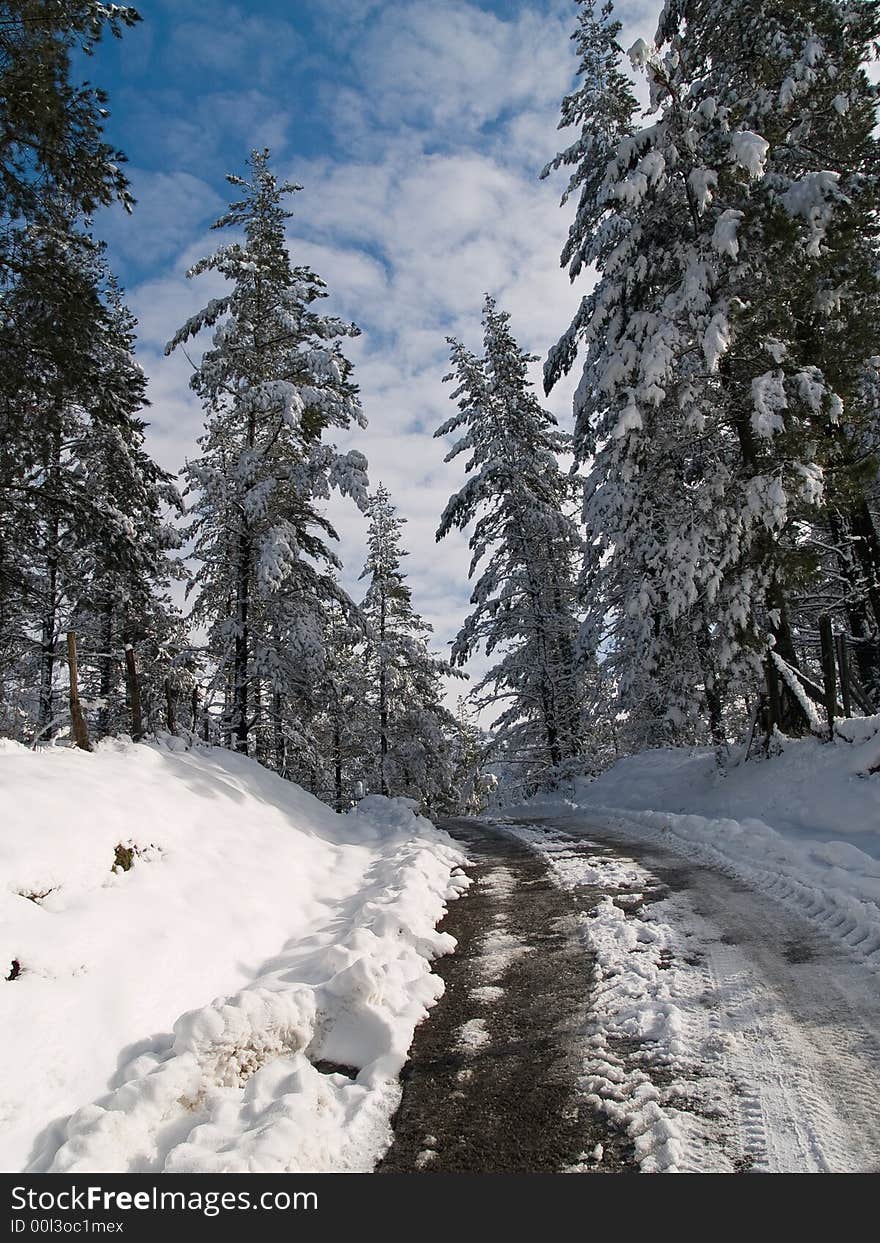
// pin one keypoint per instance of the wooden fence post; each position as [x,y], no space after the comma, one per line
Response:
[134,694]
[829,670]
[78,721]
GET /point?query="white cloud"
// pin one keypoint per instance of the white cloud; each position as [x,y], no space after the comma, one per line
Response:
[448,114]
[170,208]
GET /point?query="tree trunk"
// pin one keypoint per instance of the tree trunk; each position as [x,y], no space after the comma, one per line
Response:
[170,716]
[278,733]
[383,703]
[50,606]
[714,706]
[78,721]
[240,723]
[105,665]
[134,694]
[337,757]
[792,719]
[861,612]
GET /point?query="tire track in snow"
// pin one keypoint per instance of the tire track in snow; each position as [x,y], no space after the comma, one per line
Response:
[791,1020]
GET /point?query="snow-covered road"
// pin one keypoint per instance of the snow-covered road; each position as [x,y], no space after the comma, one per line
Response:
[718,1030]
[760,1037]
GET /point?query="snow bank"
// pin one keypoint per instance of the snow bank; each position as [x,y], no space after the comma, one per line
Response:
[314,931]
[803,825]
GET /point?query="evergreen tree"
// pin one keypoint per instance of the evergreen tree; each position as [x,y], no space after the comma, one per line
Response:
[53,157]
[87,541]
[83,540]
[272,383]
[344,728]
[124,566]
[527,544]
[469,751]
[411,752]
[710,414]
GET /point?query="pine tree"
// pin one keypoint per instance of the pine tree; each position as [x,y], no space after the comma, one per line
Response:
[470,748]
[411,728]
[272,383]
[53,157]
[124,565]
[344,728]
[87,541]
[55,169]
[527,544]
[82,537]
[709,413]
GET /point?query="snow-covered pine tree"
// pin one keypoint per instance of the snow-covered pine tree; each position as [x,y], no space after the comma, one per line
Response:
[801,294]
[89,541]
[48,331]
[704,408]
[273,381]
[53,157]
[55,169]
[469,750]
[344,724]
[526,545]
[71,444]
[410,729]
[124,564]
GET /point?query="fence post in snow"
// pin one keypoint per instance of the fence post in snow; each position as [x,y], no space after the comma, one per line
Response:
[78,721]
[829,669]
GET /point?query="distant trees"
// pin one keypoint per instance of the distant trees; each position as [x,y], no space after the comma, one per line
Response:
[525,544]
[409,729]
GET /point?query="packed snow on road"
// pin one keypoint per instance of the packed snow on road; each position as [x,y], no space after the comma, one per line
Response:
[734,927]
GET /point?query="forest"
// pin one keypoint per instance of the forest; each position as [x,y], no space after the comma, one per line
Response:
[439,675]
[663,575]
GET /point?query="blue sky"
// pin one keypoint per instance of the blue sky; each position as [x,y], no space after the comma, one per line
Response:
[417,130]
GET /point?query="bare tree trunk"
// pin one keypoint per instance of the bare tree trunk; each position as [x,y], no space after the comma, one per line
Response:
[240,723]
[78,721]
[105,665]
[337,757]
[170,716]
[50,607]
[134,694]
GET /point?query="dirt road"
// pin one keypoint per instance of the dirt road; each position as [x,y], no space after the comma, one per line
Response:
[614,1007]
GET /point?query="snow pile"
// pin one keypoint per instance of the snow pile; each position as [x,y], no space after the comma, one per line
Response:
[141,881]
[802,826]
